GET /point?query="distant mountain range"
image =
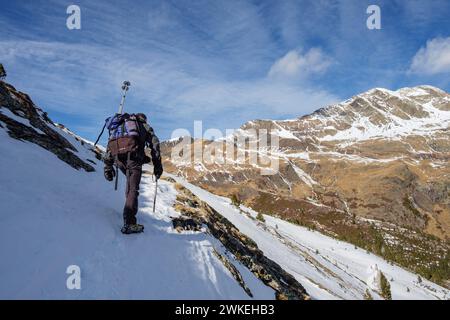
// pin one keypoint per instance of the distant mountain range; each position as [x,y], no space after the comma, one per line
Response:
[373,170]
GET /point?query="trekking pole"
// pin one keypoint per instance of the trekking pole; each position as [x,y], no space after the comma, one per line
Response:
[154,199]
[101,133]
[117,178]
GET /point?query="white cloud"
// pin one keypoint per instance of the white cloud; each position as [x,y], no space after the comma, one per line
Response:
[80,73]
[433,59]
[294,63]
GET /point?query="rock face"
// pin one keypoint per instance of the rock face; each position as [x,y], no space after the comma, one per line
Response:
[25,121]
[373,170]
[243,248]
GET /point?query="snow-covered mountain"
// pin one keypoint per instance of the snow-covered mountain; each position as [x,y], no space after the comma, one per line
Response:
[377,113]
[372,170]
[57,210]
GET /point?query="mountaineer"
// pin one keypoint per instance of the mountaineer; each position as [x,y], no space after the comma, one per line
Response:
[129,135]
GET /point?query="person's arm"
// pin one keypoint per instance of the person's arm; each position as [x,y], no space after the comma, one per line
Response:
[108,170]
[153,143]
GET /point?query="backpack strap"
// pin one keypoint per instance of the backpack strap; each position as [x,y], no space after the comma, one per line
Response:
[127,172]
[117,169]
[117,177]
[124,129]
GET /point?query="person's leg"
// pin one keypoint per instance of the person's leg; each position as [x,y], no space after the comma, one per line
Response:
[133,174]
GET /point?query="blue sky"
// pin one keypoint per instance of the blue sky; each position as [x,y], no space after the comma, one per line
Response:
[223,62]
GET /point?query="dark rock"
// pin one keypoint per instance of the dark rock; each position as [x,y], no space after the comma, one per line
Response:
[21,105]
[234,272]
[183,223]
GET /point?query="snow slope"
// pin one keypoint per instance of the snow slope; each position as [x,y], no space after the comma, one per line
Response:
[53,216]
[327,268]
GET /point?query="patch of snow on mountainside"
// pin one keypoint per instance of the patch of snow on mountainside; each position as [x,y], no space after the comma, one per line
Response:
[306,178]
[74,137]
[283,133]
[327,268]
[362,128]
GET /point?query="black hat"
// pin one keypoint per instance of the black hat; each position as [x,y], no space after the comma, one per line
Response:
[141,116]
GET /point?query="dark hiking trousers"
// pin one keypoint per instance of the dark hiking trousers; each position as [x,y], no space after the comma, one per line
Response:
[132,169]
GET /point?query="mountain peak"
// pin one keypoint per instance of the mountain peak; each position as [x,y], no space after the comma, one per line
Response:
[420,90]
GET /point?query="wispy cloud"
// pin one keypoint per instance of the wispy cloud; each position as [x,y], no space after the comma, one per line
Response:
[85,79]
[294,63]
[432,59]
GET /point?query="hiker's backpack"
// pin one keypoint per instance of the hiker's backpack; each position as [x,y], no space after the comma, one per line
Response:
[124,134]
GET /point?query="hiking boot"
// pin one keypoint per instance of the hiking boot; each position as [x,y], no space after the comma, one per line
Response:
[132,228]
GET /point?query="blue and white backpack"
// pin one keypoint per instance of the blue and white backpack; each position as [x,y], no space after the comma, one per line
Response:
[124,133]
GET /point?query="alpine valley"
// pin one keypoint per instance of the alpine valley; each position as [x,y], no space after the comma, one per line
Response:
[373,171]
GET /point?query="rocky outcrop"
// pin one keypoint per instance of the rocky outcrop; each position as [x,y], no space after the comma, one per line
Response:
[234,272]
[40,131]
[186,224]
[242,247]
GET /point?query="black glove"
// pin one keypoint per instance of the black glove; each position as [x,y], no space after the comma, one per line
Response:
[109,173]
[158,171]
[147,159]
